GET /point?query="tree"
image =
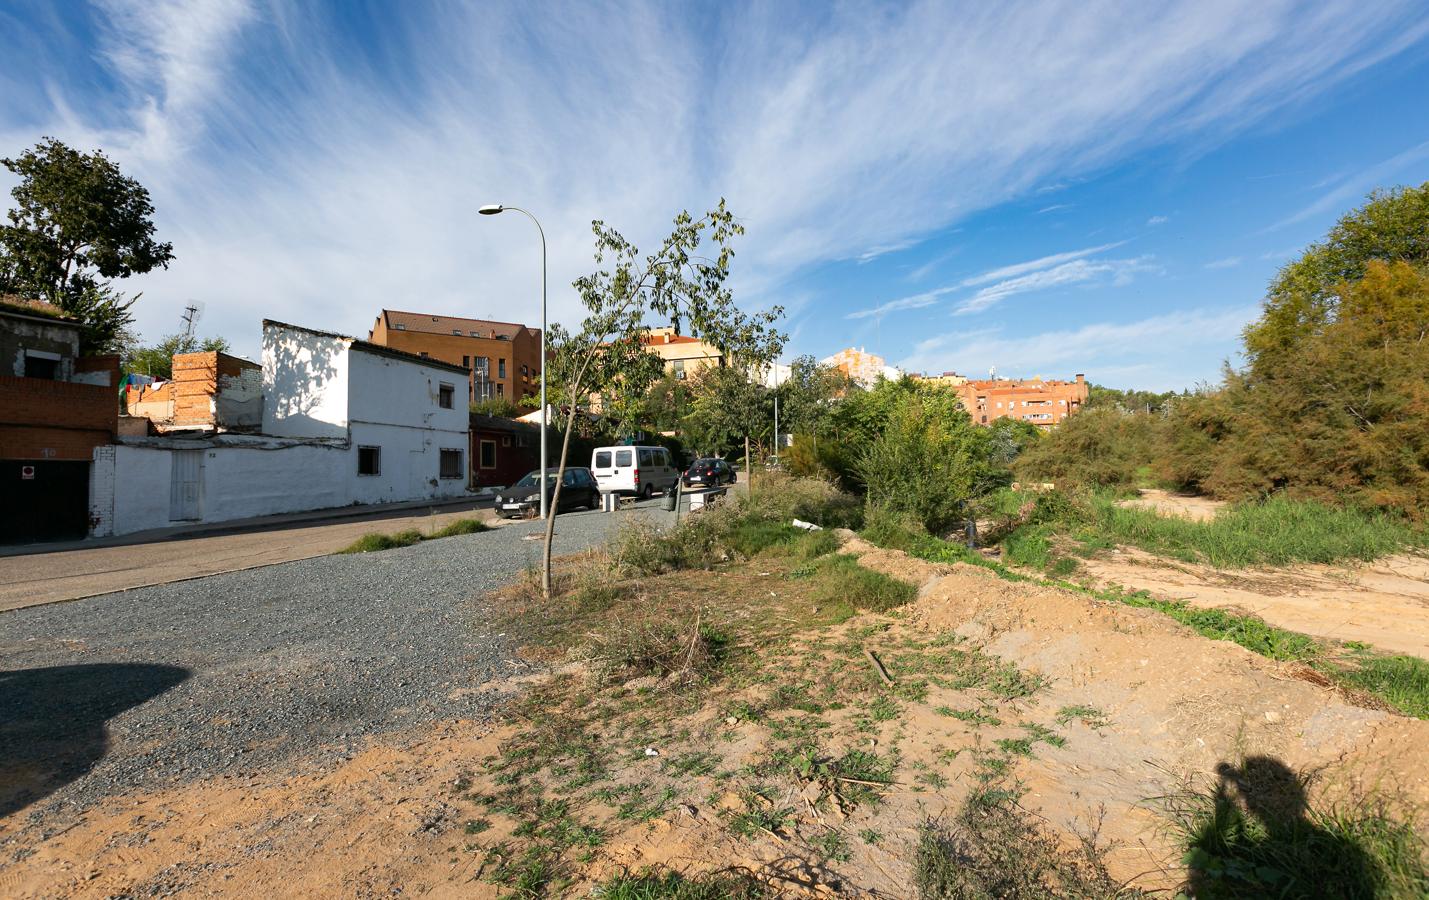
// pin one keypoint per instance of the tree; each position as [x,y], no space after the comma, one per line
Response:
[676,284]
[1392,227]
[725,408]
[808,397]
[158,360]
[499,407]
[78,220]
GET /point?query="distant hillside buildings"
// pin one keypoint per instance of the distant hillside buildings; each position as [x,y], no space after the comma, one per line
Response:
[1037,401]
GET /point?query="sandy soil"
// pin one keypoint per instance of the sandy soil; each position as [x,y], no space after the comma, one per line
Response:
[1187,506]
[1177,704]
[1384,604]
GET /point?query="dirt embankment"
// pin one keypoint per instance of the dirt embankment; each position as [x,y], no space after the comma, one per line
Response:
[1384,604]
[1178,705]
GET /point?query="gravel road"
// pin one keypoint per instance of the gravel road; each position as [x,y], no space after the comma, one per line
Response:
[251,669]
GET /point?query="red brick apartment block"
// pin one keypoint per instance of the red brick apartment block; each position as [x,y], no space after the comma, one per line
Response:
[1042,403]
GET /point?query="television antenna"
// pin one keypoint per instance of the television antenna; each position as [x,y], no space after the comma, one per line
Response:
[190,319]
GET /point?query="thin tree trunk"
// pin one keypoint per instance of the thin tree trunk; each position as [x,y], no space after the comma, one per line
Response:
[555,503]
[749,465]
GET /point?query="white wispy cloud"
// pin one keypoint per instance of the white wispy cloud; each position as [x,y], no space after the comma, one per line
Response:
[1115,271]
[1053,208]
[1230,262]
[1151,347]
[917,301]
[310,171]
[1033,265]
[1353,187]
[1157,220]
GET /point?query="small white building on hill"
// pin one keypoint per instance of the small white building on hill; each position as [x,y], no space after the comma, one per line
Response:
[345,422]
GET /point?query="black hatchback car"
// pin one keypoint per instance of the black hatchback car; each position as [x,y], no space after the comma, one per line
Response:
[710,471]
[523,498]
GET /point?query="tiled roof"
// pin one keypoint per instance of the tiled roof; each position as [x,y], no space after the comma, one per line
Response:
[430,324]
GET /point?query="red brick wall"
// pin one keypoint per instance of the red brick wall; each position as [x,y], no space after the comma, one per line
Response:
[26,442]
[59,404]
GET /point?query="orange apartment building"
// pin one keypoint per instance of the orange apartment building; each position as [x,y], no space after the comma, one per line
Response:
[684,356]
[1041,403]
[502,359]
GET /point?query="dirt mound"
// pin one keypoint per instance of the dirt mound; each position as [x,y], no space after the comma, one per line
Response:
[1176,704]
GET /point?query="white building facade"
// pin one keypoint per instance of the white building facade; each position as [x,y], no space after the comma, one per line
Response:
[345,422]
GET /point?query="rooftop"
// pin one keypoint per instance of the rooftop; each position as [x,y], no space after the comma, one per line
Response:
[427,323]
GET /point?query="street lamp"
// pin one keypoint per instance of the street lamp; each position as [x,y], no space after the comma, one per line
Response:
[492,209]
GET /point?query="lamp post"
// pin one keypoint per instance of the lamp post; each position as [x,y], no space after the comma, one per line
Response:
[492,209]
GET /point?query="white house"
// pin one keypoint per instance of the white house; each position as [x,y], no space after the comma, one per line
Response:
[345,422]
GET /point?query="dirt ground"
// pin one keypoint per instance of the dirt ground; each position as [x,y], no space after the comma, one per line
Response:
[436,814]
[1384,604]
[1187,506]
[32,579]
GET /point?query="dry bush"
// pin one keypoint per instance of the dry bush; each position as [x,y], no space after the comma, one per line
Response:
[679,653]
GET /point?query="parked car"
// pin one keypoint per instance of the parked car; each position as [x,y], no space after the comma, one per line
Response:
[710,471]
[578,489]
[642,471]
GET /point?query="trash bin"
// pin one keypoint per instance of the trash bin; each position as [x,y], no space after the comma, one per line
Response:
[672,497]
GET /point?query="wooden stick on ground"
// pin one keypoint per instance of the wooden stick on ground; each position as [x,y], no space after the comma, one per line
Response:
[878,667]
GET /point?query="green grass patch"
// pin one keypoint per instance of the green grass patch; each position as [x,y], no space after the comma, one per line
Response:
[1274,532]
[1250,632]
[371,543]
[651,884]
[1403,681]
[842,580]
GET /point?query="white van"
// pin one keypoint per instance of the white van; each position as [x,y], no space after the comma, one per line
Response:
[643,471]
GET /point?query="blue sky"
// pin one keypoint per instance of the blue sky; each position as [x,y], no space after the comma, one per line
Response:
[1043,187]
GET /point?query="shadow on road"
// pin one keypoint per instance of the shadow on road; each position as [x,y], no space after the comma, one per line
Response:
[53,722]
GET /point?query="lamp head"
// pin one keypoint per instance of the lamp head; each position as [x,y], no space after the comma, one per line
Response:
[491,209]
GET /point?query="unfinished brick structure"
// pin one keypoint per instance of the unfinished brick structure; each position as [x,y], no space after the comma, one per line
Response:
[209,391]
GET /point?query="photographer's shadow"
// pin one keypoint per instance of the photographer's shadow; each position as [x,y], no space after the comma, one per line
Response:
[53,722]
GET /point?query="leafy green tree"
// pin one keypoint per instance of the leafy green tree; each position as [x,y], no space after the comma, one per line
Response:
[158,360]
[1392,227]
[78,221]
[808,397]
[676,283]
[928,460]
[726,407]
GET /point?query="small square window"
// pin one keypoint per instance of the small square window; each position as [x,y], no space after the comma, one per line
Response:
[506,440]
[456,331]
[466,361]
[451,464]
[476,334]
[369,460]
[446,394]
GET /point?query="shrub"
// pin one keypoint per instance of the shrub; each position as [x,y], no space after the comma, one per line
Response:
[1097,447]
[928,462]
[460,526]
[659,647]
[781,498]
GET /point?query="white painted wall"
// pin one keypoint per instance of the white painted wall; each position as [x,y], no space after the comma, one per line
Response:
[323,399]
[305,383]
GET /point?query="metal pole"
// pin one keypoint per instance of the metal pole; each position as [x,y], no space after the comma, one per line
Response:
[545,415]
[776,411]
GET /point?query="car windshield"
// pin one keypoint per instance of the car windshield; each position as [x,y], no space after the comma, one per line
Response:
[701,463]
[533,477]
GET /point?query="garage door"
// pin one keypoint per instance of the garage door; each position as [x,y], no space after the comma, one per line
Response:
[43,500]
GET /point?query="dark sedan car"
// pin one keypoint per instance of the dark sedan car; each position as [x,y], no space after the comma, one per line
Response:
[523,498]
[710,471]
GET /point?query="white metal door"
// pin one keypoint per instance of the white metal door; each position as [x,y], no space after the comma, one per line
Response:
[184,485]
